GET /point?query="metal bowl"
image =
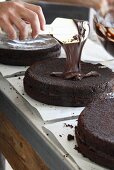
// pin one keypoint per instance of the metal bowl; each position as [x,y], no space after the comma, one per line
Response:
[104,27]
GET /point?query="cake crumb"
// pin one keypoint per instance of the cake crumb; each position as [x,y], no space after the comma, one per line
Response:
[75,127]
[67,155]
[76,148]
[70,137]
[68,125]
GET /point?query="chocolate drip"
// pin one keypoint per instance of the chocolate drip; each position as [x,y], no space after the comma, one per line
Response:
[75,75]
[73,56]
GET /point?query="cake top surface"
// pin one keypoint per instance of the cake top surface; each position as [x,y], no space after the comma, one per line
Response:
[98,118]
[42,71]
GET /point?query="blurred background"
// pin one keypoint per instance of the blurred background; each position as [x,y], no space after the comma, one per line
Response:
[51,11]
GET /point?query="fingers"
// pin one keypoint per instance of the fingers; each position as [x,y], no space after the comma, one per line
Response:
[33,19]
[34,15]
[17,14]
[39,12]
[8,28]
[20,25]
[110,1]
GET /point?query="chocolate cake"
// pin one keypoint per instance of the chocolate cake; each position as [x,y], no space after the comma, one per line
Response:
[95,131]
[29,51]
[41,85]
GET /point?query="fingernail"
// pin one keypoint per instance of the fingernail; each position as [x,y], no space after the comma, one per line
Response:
[43,27]
[35,36]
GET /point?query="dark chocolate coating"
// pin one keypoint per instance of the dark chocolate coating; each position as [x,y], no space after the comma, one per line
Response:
[40,85]
[44,47]
[95,132]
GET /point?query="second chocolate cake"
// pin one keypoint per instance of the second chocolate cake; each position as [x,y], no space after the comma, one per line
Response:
[42,86]
[95,131]
[25,53]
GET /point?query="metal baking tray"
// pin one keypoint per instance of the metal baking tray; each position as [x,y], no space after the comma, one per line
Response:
[26,119]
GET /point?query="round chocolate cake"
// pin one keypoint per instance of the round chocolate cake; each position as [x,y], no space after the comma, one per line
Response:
[41,85]
[95,131]
[29,51]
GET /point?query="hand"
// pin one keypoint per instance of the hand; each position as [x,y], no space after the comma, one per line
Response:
[110,1]
[18,14]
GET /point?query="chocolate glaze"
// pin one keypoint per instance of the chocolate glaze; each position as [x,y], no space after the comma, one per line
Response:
[104,26]
[73,56]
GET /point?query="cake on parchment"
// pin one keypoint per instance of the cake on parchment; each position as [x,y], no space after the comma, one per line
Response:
[95,131]
[42,86]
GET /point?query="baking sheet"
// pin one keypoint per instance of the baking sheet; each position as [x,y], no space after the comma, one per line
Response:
[60,131]
[47,112]
[9,70]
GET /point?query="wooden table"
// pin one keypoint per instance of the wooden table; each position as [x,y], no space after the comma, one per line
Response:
[22,140]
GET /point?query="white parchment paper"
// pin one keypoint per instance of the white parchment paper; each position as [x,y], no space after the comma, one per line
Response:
[60,131]
[47,112]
